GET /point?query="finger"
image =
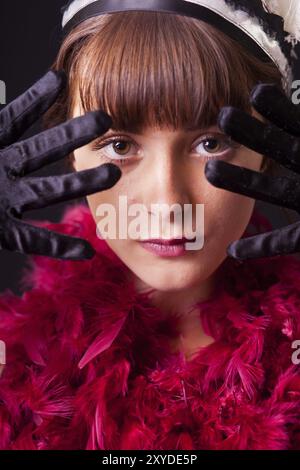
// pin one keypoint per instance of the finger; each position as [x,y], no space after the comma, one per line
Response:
[37,192]
[54,144]
[18,116]
[281,191]
[264,139]
[29,239]
[274,105]
[282,241]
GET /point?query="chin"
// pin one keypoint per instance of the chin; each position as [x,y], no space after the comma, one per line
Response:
[170,280]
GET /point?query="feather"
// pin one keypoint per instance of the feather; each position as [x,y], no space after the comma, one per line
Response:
[131,391]
[102,342]
[289,10]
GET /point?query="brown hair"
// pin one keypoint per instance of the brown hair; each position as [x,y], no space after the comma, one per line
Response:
[155,69]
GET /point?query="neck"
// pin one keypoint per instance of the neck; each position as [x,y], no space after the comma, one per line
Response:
[182,303]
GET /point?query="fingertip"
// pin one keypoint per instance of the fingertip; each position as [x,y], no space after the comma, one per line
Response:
[224,116]
[61,76]
[237,250]
[209,168]
[212,171]
[54,79]
[82,251]
[264,92]
[232,252]
[88,252]
[257,94]
[104,120]
[256,90]
[111,173]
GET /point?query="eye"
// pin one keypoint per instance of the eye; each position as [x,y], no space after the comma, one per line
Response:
[214,146]
[116,148]
[121,147]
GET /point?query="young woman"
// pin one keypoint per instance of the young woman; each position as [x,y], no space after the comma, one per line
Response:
[132,344]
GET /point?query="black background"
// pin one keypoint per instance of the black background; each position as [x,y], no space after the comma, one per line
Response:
[29,40]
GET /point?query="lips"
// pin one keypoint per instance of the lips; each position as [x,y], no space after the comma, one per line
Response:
[173,241]
[166,248]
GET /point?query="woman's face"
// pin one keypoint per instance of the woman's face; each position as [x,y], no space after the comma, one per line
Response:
[162,166]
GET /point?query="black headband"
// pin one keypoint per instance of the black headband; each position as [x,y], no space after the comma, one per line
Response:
[262,33]
[169,6]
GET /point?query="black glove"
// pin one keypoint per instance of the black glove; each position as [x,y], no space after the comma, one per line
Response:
[19,193]
[281,142]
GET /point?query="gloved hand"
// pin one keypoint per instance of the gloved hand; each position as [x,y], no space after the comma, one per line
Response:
[20,192]
[279,140]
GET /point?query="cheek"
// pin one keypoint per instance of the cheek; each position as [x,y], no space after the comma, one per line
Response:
[111,197]
[123,248]
[226,217]
[227,214]
[84,159]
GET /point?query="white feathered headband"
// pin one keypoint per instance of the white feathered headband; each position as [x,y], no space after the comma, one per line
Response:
[270,29]
[289,10]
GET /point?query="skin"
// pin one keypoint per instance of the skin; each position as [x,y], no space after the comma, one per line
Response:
[167,166]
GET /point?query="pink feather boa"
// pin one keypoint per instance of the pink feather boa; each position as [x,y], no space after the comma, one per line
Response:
[89,366]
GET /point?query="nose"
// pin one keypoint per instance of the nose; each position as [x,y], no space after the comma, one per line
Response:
[167,183]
